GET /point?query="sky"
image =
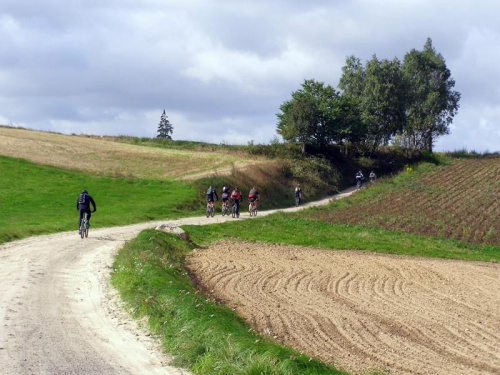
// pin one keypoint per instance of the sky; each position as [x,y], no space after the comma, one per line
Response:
[221,69]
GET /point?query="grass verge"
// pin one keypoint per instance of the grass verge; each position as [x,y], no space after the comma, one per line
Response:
[37,199]
[202,335]
[293,230]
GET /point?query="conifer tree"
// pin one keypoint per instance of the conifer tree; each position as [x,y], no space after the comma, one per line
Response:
[165,128]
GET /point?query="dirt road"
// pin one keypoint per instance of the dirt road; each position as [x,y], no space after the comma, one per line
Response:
[58,313]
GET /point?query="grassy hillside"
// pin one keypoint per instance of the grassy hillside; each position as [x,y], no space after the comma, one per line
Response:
[97,156]
[112,172]
[456,200]
[38,199]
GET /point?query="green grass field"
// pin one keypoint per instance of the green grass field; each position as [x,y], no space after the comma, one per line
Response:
[37,199]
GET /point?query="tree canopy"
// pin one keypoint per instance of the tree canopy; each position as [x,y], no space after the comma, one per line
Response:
[432,103]
[383,99]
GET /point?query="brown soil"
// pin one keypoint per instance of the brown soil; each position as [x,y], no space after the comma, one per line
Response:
[458,201]
[362,311]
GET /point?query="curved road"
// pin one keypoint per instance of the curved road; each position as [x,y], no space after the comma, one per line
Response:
[58,314]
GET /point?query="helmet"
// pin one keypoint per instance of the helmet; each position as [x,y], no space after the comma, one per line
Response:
[85,192]
[237,188]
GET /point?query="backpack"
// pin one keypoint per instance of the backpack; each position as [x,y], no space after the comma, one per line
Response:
[82,199]
[236,194]
[210,190]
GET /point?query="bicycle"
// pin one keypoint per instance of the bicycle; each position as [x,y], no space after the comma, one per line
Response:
[234,210]
[210,209]
[253,208]
[297,201]
[225,208]
[84,226]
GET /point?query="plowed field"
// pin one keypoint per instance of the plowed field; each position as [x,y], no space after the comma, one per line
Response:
[458,201]
[361,310]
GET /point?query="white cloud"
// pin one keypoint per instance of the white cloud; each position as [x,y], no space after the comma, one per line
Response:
[221,69]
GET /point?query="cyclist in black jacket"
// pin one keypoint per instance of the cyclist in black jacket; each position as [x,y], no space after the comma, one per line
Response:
[83,206]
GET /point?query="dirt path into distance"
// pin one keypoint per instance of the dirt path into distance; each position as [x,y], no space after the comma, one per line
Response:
[362,311]
[58,314]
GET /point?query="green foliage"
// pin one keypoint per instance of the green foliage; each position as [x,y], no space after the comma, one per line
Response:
[201,334]
[165,128]
[383,101]
[412,102]
[317,115]
[37,199]
[432,103]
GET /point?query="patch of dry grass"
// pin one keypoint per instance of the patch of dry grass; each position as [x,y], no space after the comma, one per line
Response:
[106,158]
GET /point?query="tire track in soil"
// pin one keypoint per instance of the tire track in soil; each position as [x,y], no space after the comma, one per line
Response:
[360,310]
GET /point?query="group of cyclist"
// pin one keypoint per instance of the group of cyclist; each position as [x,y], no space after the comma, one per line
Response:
[234,196]
[360,178]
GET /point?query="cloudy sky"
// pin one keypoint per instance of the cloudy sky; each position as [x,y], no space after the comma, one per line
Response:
[222,68]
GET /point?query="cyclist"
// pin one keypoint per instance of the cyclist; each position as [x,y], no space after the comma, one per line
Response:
[83,203]
[359,179]
[373,177]
[236,198]
[210,196]
[253,197]
[226,193]
[298,194]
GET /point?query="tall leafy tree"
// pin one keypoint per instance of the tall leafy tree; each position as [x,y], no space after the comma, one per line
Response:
[383,100]
[380,92]
[165,128]
[432,102]
[352,81]
[308,117]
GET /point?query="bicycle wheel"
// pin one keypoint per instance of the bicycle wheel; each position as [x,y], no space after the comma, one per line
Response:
[208,212]
[86,229]
[82,229]
[212,211]
[233,213]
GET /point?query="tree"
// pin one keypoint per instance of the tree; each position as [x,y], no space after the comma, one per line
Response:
[380,92]
[307,117]
[383,101]
[432,103]
[352,81]
[165,128]
[318,115]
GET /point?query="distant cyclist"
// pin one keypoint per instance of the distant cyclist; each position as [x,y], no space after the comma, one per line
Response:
[236,198]
[359,179]
[226,193]
[298,194]
[83,203]
[211,193]
[372,177]
[253,196]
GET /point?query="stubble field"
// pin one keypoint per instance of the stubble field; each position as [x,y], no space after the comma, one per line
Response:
[108,158]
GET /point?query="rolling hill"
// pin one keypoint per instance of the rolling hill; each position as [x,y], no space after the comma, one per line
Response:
[457,200]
